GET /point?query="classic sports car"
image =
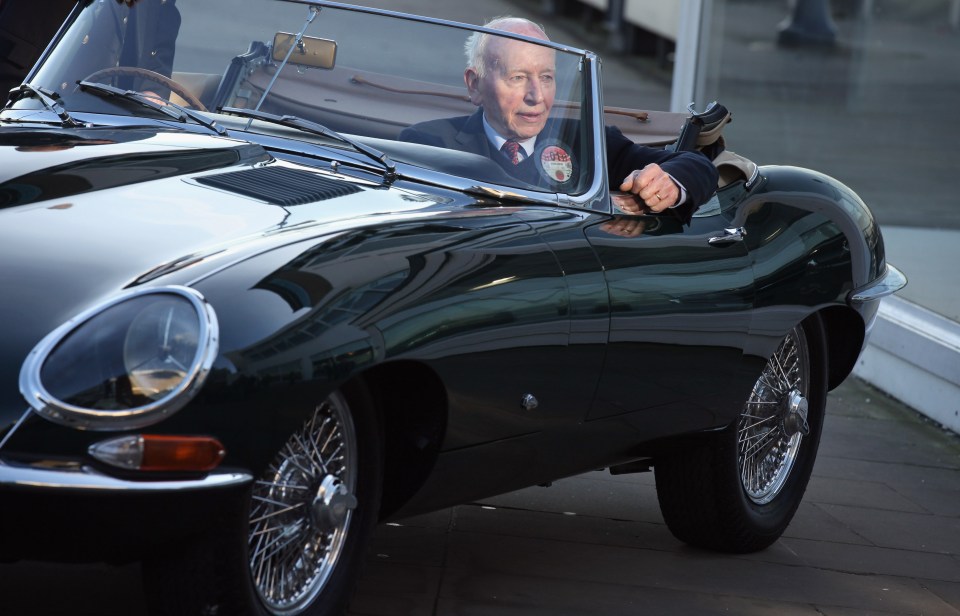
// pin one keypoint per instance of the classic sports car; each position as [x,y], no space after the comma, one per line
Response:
[243,320]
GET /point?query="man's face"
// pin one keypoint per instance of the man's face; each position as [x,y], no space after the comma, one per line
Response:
[518,90]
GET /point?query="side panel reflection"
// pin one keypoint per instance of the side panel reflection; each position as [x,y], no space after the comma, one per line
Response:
[680,314]
[480,299]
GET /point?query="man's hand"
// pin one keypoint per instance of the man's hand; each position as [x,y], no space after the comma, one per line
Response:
[154,97]
[625,226]
[652,184]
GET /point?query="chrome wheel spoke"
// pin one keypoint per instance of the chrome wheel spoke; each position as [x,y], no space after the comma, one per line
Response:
[276,512]
[758,419]
[758,443]
[280,486]
[766,449]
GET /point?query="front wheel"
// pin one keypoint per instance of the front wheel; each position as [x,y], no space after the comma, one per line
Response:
[298,548]
[737,490]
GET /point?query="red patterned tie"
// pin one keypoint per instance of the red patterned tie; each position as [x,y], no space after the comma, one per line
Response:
[512,150]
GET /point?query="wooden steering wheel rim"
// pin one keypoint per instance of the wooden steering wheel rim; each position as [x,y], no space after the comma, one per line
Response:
[136,71]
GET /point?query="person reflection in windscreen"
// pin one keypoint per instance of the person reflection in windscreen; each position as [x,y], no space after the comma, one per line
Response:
[151,34]
[150,29]
[513,84]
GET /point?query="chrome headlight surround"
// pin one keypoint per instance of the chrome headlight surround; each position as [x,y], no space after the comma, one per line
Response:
[83,331]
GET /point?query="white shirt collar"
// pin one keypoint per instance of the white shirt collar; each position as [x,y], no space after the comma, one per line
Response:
[527,144]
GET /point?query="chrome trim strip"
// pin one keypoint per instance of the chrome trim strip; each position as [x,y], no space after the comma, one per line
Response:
[593,198]
[58,411]
[15,427]
[436,21]
[889,283]
[87,479]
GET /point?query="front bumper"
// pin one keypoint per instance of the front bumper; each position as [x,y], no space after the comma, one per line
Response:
[891,281]
[86,479]
[77,514]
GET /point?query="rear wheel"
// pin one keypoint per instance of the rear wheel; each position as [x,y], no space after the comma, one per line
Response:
[299,547]
[737,490]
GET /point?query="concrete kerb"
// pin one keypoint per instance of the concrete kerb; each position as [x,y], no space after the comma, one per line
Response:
[914,355]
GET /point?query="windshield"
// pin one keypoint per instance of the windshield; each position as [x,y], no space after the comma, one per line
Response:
[413,89]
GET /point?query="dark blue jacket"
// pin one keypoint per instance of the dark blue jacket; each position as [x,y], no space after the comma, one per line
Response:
[465,133]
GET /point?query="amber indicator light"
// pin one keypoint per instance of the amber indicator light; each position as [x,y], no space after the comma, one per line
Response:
[180,453]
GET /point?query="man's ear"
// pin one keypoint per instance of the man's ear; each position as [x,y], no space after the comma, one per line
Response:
[472,79]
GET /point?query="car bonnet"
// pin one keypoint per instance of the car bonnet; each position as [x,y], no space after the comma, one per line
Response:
[78,224]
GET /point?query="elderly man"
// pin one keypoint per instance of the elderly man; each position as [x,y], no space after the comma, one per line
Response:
[514,83]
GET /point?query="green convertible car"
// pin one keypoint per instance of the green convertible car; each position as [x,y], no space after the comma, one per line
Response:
[245,316]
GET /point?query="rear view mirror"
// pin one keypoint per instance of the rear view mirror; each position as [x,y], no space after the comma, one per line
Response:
[311,51]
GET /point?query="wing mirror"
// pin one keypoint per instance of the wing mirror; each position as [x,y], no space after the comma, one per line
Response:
[310,51]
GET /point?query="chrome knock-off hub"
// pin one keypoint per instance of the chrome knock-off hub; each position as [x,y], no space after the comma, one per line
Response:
[795,414]
[332,503]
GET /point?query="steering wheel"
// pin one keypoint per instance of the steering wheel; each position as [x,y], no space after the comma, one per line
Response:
[136,71]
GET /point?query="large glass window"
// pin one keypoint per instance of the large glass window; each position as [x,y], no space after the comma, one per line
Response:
[875,109]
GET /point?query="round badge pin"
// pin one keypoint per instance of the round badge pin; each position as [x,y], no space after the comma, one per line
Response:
[556,163]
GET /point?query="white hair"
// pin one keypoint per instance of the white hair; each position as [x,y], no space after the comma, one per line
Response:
[475,47]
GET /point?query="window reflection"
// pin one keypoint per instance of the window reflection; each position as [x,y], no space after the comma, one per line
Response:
[872,110]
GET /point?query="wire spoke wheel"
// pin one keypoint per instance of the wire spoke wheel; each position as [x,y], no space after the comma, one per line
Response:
[774,421]
[736,490]
[302,508]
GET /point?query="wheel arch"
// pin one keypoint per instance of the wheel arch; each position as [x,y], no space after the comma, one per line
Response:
[411,401]
[845,333]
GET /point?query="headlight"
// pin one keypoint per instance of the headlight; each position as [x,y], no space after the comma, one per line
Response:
[124,364]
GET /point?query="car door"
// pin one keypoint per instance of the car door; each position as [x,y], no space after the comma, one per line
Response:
[680,304]
[489,309]
[484,301]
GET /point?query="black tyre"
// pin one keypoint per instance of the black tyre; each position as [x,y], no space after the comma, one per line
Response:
[737,490]
[297,546]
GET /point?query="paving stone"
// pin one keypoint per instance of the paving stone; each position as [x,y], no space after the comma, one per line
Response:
[927,609]
[881,440]
[949,592]
[895,475]
[874,494]
[436,519]
[936,501]
[871,560]
[410,544]
[389,588]
[473,556]
[812,522]
[565,527]
[591,494]
[907,531]
[483,594]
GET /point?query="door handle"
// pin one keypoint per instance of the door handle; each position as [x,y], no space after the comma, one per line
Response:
[731,235]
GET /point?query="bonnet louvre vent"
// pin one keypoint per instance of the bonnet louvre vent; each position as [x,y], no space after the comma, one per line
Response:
[279,185]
